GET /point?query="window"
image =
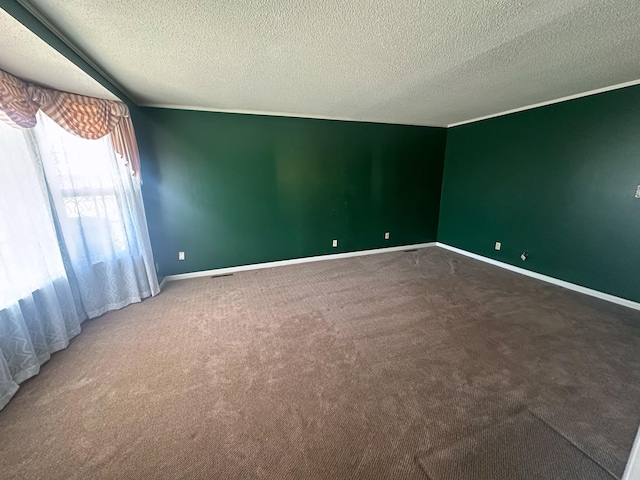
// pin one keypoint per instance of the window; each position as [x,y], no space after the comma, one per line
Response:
[29,252]
[49,176]
[86,178]
[73,235]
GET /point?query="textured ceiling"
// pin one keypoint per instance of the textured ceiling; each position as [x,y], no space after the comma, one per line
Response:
[25,55]
[429,62]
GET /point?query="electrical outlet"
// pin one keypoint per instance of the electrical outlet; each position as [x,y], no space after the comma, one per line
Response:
[386,236]
[498,245]
[180,255]
[335,243]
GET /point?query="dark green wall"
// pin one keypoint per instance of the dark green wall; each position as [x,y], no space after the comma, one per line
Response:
[240,189]
[558,182]
[232,189]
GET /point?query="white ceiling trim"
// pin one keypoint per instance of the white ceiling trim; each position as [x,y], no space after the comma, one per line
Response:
[171,106]
[346,119]
[409,62]
[549,102]
[56,31]
[29,57]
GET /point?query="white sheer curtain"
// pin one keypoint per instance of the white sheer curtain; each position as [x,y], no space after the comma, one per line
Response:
[28,245]
[101,217]
[73,242]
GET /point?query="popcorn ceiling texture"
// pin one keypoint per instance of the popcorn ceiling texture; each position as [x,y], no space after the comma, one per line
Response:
[432,62]
[25,55]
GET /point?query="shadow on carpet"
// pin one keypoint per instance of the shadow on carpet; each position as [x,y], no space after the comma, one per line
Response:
[521,447]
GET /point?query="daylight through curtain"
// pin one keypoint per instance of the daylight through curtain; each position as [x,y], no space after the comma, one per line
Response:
[74,242]
[86,117]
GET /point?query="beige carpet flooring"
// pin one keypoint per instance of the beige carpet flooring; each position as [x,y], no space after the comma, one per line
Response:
[352,368]
[522,447]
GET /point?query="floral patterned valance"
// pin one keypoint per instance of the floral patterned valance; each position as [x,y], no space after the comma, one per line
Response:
[87,117]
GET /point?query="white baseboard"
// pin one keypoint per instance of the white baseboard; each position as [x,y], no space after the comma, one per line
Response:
[571,286]
[257,266]
[294,261]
